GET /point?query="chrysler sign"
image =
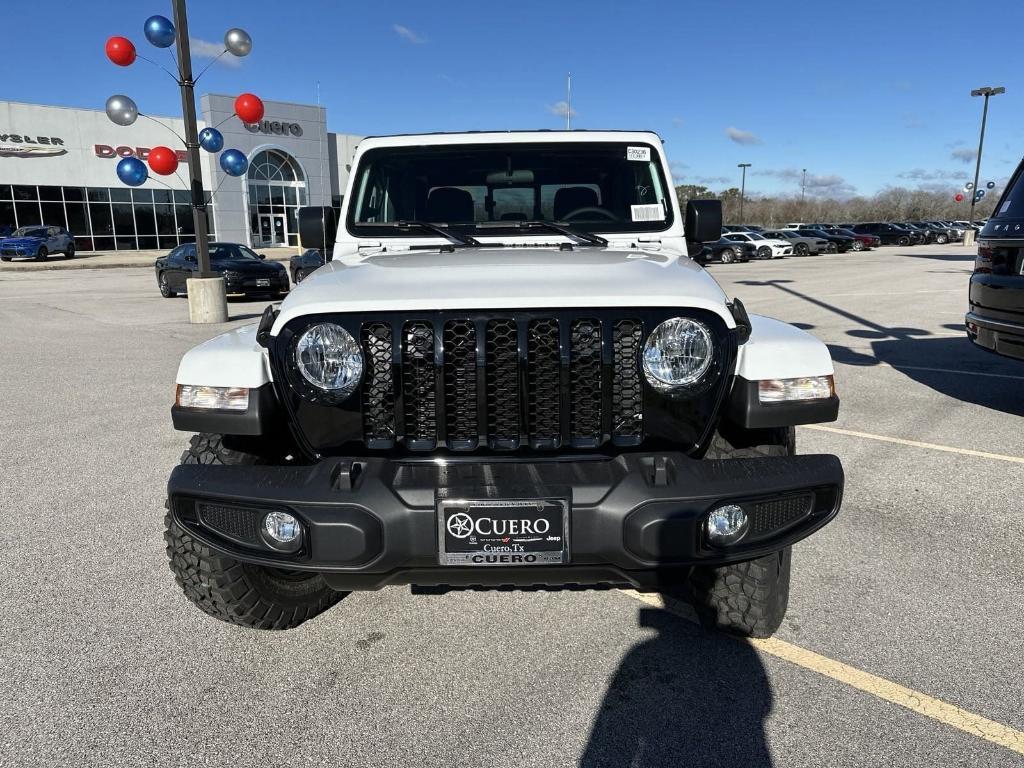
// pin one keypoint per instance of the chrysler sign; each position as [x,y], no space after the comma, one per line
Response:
[275,127]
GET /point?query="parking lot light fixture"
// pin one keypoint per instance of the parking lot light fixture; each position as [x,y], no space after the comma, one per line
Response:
[987,92]
[743,187]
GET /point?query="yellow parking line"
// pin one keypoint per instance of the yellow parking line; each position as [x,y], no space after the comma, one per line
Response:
[916,443]
[908,698]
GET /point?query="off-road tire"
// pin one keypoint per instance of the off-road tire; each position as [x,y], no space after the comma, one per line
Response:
[239,593]
[749,598]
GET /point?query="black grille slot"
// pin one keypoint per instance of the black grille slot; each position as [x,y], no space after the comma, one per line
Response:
[770,516]
[502,362]
[544,384]
[585,383]
[419,392]
[378,386]
[234,522]
[460,389]
[627,390]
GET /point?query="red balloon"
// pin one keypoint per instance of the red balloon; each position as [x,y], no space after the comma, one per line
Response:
[958,197]
[121,51]
[249,108]
[163,160]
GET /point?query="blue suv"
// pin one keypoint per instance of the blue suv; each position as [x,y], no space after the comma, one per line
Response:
[38,242]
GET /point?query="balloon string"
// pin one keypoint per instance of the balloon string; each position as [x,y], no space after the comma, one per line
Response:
[203,72]
[165,69]
[142,114]
[233,114]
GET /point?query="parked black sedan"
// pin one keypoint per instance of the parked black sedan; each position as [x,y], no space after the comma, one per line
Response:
[245,271]
[302,265]
[727,252]
[836,243]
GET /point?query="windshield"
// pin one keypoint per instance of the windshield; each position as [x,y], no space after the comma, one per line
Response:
[603,187]
[29,232]
[231,251]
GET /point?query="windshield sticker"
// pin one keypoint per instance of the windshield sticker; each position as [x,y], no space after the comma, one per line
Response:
[647,212]
[639,154]
[1005,207]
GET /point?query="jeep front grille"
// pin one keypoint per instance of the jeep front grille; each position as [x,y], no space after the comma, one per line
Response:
[502,383]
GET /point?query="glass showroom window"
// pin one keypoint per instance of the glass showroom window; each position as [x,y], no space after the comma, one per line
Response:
[104,218]
[277,188]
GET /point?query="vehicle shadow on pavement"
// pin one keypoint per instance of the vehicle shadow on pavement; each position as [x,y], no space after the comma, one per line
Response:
[942,363]
[683,697]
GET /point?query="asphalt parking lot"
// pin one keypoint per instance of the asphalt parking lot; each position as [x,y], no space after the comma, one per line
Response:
[917,583]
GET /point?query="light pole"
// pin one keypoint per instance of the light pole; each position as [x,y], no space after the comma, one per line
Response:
[986,91]
[743,186]
[803,188]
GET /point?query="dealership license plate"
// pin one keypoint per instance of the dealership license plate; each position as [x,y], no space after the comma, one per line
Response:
[503,532]
[261,283]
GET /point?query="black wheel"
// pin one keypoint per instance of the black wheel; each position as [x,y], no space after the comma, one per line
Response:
[764,252]
[728,256]
[70,252]
[238,593]
[941,239]
[801,249]
[903,241]
[42,253]
[858,245]
[749,598]
[165,289]
[5,258]
[831,248]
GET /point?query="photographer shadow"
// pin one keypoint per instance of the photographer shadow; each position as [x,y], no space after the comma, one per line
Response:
[684,697]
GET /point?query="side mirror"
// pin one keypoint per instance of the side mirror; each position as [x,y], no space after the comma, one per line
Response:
[262,256]
[318,228]
[703,222]
[189,257]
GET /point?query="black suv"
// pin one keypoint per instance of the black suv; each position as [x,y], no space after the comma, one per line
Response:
[996,318]
[889,234]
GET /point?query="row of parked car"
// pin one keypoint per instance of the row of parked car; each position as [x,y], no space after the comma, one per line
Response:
[743,242]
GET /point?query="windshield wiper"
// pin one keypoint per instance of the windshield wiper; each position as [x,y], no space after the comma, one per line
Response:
[452,237]
[585,237]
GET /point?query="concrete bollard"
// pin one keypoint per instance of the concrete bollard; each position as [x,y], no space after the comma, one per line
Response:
[969,237]
[207,302]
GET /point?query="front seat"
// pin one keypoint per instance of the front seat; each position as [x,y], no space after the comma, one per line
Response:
[569,199]
[449,204]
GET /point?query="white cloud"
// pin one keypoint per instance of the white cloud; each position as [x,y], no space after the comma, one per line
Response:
[408,35]
[207,49]
[562,109]
[742,137]
[677,121]
[964,155]
[921,174]
[824,184]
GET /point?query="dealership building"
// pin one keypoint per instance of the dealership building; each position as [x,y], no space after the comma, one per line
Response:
[58,168]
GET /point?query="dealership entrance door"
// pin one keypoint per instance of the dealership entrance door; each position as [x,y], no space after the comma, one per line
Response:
[272,230]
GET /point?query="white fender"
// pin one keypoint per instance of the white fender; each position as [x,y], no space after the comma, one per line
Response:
[777,350]
[233,359]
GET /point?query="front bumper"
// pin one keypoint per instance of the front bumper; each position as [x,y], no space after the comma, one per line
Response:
[999,336]
[635,519]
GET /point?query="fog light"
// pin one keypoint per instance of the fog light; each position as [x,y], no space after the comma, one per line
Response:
[726,524]
[281,528]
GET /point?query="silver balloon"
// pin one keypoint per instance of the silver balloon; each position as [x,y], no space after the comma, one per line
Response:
[238,42]
[122,110]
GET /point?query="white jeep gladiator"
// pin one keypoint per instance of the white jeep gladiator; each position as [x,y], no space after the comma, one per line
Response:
[509,373]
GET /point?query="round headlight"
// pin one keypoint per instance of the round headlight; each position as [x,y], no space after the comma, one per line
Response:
[677,353]
[330,359]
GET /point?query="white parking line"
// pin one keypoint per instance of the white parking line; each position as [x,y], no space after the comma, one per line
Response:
[953,370]
[915,443]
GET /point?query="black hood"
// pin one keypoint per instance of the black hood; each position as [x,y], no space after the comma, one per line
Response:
[247,266]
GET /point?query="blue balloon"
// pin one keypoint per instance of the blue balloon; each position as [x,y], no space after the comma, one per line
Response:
[233,162]
[159,31]
[211,140]
[132,171]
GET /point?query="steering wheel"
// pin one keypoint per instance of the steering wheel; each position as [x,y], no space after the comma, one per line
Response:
[591,209]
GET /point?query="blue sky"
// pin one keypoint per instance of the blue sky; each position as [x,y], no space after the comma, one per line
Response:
[862,94]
